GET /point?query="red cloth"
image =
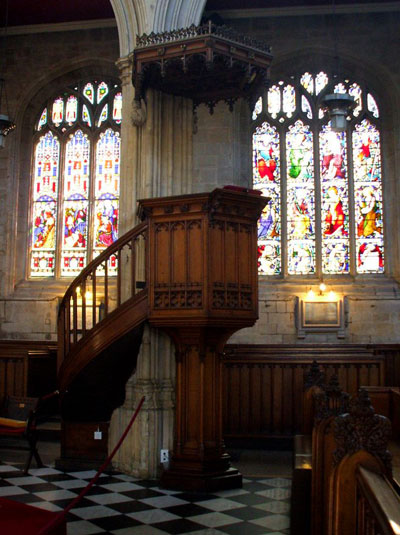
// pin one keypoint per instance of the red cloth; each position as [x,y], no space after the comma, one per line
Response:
[22,519]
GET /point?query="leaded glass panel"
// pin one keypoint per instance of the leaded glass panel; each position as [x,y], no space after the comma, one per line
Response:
[71,110]
[57,115]
[44,217]
[274,101]
[117,108]
[102,91]
[266,172]
[368,198]
[65,224]
[289,100]
[300,199]
[334,202]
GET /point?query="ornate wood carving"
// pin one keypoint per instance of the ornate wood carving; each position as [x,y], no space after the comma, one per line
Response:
[362,429]
[206,63]
[332,401]
[314,377]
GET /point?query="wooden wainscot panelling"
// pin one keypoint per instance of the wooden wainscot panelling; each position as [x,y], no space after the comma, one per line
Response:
[27,368]
[263,385]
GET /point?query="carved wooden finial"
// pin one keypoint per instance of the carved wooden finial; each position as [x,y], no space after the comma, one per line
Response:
[362,429]
[314,377]
[332,401]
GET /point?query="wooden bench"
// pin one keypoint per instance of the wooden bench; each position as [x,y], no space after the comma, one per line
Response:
[386,401]
[20,419]
[361,439]
[302,454]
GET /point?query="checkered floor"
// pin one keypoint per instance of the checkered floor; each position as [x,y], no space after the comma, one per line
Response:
[124,505]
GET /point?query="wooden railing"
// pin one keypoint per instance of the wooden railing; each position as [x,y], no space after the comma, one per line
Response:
[113,278]
[378,505]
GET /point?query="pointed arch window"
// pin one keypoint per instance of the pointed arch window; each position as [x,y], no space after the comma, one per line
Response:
[75,179]
[325,217]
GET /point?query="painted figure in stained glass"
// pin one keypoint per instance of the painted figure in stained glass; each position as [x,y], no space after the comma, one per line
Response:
[268,224]
[335,217]
[106,223]
[368,159]
[370,257]
[269,258]
[301,220]
[333,158]
[301,257]
[370,217]
[266,163]
[299,144]
[75,225]
[44,225]
[336,257]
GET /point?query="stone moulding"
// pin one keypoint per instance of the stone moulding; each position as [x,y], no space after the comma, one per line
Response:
[205,63]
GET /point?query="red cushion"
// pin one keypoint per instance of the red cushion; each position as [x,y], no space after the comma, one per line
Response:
[22,519]
[11,430]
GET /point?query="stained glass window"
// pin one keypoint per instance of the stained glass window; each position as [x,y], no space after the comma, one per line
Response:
[58,111]
[44,213]
[257,109]
[266,172]
[321,80]
[324,217]
[43,119]
[88,91]
[71,110]
[75,209]
[102,91]
[103,116]
[300,199]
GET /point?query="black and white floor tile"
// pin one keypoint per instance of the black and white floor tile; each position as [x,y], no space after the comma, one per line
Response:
[123,505]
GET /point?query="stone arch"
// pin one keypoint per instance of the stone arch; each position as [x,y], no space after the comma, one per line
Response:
[135,17]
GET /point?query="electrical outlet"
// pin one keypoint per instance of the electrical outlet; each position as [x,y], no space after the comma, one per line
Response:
[164,456]
[98,435]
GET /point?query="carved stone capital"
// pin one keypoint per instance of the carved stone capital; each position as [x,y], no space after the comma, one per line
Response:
[125,66]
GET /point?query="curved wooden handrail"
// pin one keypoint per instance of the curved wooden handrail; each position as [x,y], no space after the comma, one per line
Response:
[111,279]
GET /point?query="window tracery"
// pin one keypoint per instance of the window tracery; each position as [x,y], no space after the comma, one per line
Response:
[325,216]
[75,190]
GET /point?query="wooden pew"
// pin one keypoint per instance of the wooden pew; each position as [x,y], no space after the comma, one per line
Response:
[329,403]
[302,455]
[378,504]
[386,401]
[361,439]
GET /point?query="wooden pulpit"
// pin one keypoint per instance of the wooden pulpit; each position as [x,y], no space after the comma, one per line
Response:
[202,288]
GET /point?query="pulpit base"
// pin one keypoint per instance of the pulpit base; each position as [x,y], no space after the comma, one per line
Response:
[201,482]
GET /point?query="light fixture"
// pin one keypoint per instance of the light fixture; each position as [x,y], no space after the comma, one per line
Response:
[337,105]
[6,125]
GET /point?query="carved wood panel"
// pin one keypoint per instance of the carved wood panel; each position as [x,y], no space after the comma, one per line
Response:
[263,393]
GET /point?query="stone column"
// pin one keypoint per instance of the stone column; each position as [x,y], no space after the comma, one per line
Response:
[156,160]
